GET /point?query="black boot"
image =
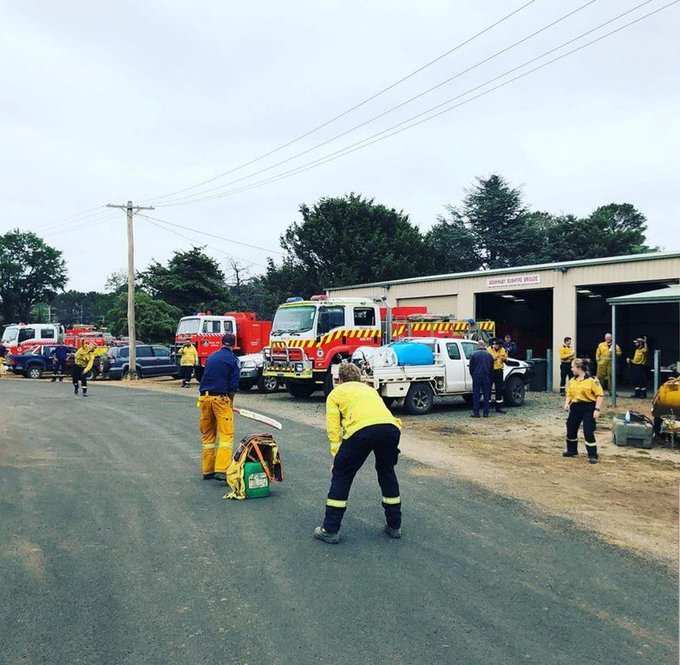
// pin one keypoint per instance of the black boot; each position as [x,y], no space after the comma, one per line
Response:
[75,390]
[572,449]
[592,454]
[636,394]
[84,392]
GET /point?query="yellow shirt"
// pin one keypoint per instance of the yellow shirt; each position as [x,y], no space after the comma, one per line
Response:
[188,356]
[640,356]
[352,406]
[85,359]
[499,357]
[584,390]
[603,352]
[567,353]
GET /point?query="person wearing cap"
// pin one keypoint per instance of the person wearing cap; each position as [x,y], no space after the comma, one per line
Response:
[481,371]
[358,424]
[217,389]
[638,367]
[567,355]
[188,359]
[500,355]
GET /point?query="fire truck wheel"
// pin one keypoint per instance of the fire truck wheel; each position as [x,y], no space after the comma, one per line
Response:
[419,399]
[300,390]
[267,384]
[327,384]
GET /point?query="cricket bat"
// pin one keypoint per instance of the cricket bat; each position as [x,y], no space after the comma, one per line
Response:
[245,413]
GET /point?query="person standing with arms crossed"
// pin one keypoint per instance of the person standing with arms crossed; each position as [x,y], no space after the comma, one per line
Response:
[567,355]
[603,358]
[481,370]
[584,401]
[358,423]
[500,355]
[217,389]
[638,367]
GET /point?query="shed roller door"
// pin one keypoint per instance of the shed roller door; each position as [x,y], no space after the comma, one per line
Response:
[435,304]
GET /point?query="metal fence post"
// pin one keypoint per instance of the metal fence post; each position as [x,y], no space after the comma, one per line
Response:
[530,354]
[657,365]
[548,370]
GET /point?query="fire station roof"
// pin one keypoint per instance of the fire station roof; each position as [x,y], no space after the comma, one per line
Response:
[561,266]
[669,294]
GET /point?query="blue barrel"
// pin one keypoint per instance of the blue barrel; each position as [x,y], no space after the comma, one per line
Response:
[412,353]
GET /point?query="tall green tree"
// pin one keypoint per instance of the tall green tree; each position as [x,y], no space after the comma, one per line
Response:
[450,246]
[156,320]
[345,240]
[191,280]
[88,307]
[31,272]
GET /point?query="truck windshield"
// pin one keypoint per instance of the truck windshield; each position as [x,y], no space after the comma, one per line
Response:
[191,325]
[294,319]
[10,334]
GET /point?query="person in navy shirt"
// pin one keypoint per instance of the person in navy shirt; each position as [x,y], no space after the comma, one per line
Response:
[217,389]
[481,370]
[59,356]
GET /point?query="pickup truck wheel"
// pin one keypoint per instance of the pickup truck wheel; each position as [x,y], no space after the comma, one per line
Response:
[467,399]
[419,399]
[389,401]
[33,373]
[515,391]
[300,390]
[267,384]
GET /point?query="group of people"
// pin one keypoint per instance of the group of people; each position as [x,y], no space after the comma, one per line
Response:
[486,369]
[357,421]
[603,357]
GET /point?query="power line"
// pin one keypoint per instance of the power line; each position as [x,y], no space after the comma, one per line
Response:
[396,107]
[213,235]
[404,125]
[353,108]
[71,227]
[83,213]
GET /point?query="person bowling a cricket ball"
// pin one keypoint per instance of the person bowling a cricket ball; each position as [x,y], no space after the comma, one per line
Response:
[358,424]
[217,389]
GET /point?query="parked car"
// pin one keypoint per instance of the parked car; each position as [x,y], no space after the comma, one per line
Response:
[252,365]
[152,360]
[37,361]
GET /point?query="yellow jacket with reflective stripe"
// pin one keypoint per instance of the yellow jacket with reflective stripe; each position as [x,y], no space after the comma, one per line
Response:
[188,356]
[85,359]
[352,406]
[640,356]
[584,390]
[603,352]
[499,357]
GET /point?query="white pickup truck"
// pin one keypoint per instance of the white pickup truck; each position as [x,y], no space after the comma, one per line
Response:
[420,385]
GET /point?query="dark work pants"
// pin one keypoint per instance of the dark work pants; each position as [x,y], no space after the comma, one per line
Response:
[498,385]
[59,368]
[383,441]
[79,376]
[481,388]
[186,371]
[582,413]
[565,373]
[638,375]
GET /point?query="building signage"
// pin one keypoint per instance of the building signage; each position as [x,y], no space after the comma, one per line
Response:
[513,280]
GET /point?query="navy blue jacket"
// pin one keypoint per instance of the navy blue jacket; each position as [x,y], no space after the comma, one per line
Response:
[221,373]
[60,353]
[481,364]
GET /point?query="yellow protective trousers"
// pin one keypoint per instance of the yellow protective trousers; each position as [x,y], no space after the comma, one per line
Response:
[216,422]
[604,373]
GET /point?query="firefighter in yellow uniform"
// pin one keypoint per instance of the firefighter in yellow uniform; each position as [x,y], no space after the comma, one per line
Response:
[584,401]
[603,357]
[82,366]
[218,387]
[500,355]
[567,354]
[638,367]
[188,359]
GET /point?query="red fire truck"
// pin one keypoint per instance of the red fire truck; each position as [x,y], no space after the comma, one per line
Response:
[19,337]
[205,332]
[309,336]
[85,334]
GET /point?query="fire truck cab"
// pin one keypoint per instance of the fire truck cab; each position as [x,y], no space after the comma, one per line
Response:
[17,337]
[309,336]
[205,332]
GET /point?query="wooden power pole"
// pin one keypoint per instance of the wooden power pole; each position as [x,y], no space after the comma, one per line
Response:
[132,333]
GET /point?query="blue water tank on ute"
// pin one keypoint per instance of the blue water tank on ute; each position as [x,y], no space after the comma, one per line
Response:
[413,353]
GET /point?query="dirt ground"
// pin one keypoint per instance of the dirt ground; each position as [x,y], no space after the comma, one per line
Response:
[630,498]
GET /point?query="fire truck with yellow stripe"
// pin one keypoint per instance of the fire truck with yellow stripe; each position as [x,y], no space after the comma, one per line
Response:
[310,336]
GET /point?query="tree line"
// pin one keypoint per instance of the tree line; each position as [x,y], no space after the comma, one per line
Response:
[337,241]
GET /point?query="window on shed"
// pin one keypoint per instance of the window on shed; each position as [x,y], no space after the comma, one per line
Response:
[364,316]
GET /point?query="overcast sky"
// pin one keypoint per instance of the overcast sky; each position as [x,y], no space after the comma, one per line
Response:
[103,102]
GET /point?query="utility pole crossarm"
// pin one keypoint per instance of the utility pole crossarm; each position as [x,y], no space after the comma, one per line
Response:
[131,209]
